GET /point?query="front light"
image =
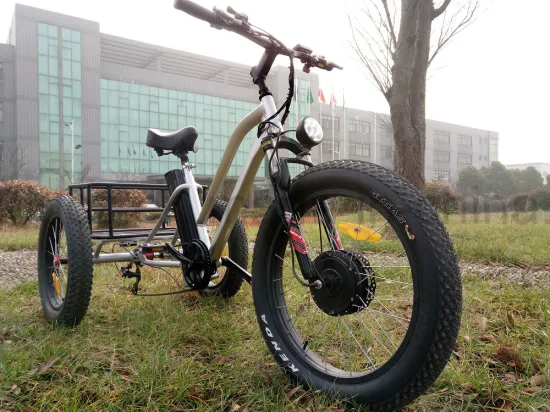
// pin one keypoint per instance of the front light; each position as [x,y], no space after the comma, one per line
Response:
[309,132]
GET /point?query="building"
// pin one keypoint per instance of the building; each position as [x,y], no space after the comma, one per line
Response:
[58,71]
[543,168]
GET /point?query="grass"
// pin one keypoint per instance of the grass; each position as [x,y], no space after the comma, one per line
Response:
[18,238]
[184,352]
[189,353]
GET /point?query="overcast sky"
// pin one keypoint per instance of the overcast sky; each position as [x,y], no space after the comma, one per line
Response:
[495,75]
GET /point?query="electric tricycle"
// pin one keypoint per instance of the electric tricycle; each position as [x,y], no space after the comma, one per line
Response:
[354,278]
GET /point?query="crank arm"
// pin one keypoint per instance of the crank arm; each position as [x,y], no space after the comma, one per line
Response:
[230,264]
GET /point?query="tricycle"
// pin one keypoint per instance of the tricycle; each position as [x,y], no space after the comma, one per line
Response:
[354,278]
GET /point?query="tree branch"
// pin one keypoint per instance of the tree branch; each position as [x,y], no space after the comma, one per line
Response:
[441,9]
[451,29]
[390,23]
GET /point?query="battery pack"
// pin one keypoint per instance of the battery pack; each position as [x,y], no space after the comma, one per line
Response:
[187,226]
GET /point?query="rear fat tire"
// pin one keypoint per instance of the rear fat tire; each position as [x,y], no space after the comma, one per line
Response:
[436,325]
[238,252]
[79,260]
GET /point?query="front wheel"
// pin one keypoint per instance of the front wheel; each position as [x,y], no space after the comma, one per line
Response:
[384,323]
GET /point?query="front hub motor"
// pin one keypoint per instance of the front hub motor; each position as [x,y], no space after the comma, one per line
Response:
[348,282]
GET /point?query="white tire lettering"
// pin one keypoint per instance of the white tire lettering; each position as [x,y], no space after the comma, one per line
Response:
[276,345]
[263,318]
[268,332]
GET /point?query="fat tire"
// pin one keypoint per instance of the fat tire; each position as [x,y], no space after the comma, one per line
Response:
[79,256]
[440,300]
[238,252]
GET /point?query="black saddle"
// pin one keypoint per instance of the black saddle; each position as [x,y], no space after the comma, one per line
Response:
[181,141]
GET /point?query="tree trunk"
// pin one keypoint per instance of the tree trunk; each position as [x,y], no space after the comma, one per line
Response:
[407,99]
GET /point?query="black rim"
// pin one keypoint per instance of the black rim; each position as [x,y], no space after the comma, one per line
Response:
[55,270]
[397,308]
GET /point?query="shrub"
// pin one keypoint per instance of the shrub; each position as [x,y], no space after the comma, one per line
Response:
[442,197]
[121,198]
[518,203]
[538,200]
[22,200]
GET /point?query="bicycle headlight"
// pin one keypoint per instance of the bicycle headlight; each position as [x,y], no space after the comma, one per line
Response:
[309,132]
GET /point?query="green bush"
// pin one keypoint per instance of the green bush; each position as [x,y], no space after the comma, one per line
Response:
[121,198]
[22,200]
[442,197]
[518,203]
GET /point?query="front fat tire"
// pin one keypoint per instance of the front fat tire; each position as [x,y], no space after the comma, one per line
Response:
[440,298]
[79,257]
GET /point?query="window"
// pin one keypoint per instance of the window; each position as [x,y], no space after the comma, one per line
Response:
[464,140]
[480,157]
[480,140]
[386,152]
[359,149]
[441,136]
[1,112]
[485,158]
[327,146]
[464,158]
[356,125]
[1,72]
[444,157]
[442,175]
[326,122]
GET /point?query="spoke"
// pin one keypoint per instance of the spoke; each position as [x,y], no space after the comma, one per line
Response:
[382,329]
[383,313]
[376,337]
[376,300]
[388,279]
[361,347]
[299,314]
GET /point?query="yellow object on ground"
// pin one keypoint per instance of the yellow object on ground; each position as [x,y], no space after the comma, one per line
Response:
[358,232]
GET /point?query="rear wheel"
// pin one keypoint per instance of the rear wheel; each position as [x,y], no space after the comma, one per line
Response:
[65,270]
[383,325]
[226,283]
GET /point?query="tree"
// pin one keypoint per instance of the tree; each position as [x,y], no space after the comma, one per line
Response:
[548,180]
[500,181]
[471,182]
[530,180]
[18,166]
[397,58]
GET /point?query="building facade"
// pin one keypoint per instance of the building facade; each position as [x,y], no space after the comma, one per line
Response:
[75,104]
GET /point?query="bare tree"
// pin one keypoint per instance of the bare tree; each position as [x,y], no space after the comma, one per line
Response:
[18,166]
[79,177]
[397,44]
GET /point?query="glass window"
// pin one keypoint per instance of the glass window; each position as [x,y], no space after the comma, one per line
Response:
[441,136]
[441,156]
[464,140]
[442,175]
[464,158]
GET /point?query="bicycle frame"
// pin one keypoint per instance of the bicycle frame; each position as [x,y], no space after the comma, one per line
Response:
[244,183]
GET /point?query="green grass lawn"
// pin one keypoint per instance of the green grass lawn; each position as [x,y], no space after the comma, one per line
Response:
[12,238]
[189,353]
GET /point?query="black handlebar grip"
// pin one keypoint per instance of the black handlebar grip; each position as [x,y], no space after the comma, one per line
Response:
[197,11]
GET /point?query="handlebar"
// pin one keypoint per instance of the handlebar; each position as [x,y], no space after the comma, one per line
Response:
[197,11]
[222,20]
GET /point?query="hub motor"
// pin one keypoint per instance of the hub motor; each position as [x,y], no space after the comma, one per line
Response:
[348,282]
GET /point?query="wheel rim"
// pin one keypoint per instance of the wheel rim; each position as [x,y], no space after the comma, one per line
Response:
[56,268]
[369,338]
